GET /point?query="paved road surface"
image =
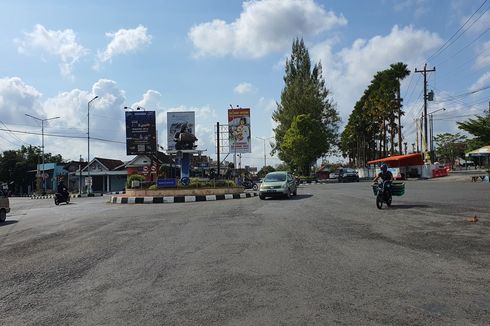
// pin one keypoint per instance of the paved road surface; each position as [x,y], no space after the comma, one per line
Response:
[327,257]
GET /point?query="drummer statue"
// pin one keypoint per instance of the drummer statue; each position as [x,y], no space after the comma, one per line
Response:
[184,139]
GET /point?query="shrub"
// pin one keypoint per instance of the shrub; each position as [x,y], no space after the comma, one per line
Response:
[134,177]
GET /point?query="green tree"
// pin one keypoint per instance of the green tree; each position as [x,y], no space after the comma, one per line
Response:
[265,169]
[297,147]
[282,167]
[16,166]
[450,146]
[304,92]
[375,121]
[478,127]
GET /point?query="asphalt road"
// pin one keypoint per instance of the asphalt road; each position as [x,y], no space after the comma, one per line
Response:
[326,257]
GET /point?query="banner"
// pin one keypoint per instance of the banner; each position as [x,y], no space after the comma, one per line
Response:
[179,123]
[239,136]
[141,134]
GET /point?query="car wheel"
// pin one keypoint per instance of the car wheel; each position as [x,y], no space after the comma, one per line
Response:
[262,197]
[3,215]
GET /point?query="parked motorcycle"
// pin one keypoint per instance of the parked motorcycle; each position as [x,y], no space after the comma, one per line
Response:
[61,198]
[249,184]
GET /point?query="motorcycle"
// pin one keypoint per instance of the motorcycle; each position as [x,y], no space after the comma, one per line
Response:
[248,184]
[61,198]
[383,194]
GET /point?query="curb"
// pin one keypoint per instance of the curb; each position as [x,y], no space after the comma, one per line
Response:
[178,199]
[71,196]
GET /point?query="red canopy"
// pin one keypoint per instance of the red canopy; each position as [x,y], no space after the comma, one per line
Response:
[400,160]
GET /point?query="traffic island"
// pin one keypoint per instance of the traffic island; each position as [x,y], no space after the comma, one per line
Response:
[124,199]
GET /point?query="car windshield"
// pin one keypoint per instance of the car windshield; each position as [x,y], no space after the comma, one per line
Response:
[349,171]
[275,177]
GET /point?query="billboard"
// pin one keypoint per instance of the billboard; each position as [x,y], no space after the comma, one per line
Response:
[177,123]
[239,136]
[141,133]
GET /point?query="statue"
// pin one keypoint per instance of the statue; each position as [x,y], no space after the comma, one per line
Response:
[184,139]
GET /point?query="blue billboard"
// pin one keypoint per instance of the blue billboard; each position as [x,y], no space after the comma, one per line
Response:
[141,133]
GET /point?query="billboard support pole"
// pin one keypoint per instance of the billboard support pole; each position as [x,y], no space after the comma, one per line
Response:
[217,147]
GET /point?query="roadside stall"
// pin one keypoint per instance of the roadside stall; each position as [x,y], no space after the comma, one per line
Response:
[483,152]
[402,166]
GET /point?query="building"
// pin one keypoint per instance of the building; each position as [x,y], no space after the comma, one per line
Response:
[107,175]
[151,166]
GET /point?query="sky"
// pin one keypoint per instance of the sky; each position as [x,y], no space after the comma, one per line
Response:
[204,56]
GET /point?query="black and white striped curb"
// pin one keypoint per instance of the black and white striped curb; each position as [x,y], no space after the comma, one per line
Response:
[178,199]
[71,196]
[117,192]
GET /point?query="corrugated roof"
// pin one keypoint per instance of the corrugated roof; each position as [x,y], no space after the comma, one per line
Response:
[401,160]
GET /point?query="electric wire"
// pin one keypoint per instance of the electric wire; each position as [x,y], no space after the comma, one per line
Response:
[450,41]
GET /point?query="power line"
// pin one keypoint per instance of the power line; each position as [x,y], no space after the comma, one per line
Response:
[448,43]
[62,136]
[12,134]
[464,47]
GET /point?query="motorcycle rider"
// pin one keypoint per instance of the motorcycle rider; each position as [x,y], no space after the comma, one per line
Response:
[62,189]
[385,174]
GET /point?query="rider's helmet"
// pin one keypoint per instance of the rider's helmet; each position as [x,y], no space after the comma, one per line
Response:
[384,167]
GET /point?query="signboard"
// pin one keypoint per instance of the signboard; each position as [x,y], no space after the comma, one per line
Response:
[178,122]
[161,183]
[239,136]
[141,133]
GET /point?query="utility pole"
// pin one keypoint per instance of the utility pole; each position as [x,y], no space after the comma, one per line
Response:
[424,72]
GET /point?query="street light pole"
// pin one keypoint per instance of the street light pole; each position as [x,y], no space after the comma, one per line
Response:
[89,188]
[265,157]
[42,145]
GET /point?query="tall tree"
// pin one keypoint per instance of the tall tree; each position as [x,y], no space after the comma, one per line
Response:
[375,121]
[304,92]
[400,71]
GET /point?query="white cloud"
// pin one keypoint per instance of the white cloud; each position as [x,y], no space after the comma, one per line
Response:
[124,41]
[417,7]
[350,71]
[18,98]
[62,44]
[483,81]
[244,88]
[477,26]
[483,55]
[263,27]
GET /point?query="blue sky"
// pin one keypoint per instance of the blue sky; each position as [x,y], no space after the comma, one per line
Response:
[203,56]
